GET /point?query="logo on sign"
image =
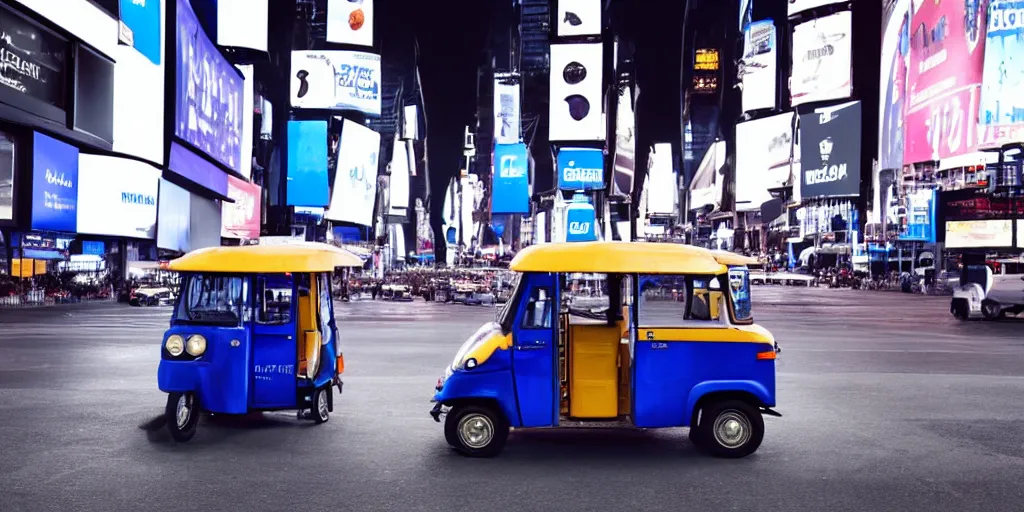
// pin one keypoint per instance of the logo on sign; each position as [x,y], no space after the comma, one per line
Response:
[358,78]
[54,179]
[579,228]
[583,175]
[508,169]
[140,199]
[828,173]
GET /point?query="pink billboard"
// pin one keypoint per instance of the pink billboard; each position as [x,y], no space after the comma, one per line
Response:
[947,55]
[241,219]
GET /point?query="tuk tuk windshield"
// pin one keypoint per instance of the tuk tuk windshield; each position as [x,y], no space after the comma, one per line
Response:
[503,314]
[211,299]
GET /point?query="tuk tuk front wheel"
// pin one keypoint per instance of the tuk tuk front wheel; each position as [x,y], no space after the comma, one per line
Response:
[731,429]
[476,431]
[991,309]
[182,414]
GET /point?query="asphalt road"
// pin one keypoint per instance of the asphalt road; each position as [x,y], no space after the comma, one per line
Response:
[889,405]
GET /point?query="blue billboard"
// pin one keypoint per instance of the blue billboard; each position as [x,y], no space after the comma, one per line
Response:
[144,20]
[510,190]
[307,183]
[580,223]
[54,185]
[580,169]
[920,226]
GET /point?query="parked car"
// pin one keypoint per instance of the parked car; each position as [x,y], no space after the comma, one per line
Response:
[151,296]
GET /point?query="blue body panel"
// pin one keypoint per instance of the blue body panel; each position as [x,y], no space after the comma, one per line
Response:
[533,359]
[669,378]
[274,363]
[492,380]
[220,377]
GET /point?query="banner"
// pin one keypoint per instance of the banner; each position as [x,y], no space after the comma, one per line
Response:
[117,197]
[350,22]
[173,214]
[336,80]
[242,24]
[580,223]
[506,112]
[1002,102]
[944,80]
[822,58]
[759,66]
[307,164]
[662,185]
[398,186]
[579,18]
[34,60]
[763,151]
[625,145]
[580,169]
[54,185]
[241,219]
[354,194]
[208,103]
[577,92]
[706,187]
[979,234]
[511,183]
[830,151]
[893,83]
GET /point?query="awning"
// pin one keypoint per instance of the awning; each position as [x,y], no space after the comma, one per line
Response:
[977,158]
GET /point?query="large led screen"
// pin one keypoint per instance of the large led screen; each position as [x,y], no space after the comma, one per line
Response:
[54,185]
[759,66]
[978,234]
[336,80]
[398,188]
[796,6]
[576,103]
[307,164]
[355,184]
[117,197]
[241,219]
[510,188]
[893,83]
[830,152]
[139,75]
[350,22]
[944,76]
[822,56]
[625,145]
[663,189]
[242,24]
[174,211]
[1002,104]
[506,111]
[6,177]
[208,104]
[763,149]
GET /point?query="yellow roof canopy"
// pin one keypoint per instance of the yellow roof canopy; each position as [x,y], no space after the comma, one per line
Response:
[732,259]
[266,259]
[617,258]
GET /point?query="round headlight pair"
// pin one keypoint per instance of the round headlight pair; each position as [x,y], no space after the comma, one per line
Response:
[176,345]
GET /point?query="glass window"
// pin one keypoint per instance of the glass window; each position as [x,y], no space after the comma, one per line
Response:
[503,316]
[211,299]
[739,286]
[538,309]
[325,308]
[662,300]
[274,299]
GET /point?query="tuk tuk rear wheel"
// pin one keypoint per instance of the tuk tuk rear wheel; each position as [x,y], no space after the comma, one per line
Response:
[731,429]
[476,431]
[182,413]
[321,405]
[991,309]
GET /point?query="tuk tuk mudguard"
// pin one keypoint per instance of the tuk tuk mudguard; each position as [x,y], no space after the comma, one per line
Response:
[492,386]
[220,377]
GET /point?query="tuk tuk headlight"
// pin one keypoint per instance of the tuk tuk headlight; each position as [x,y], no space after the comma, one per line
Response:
[175,345]
[196,345]
[474,341]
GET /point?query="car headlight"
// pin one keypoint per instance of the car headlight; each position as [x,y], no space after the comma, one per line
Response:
[175,345]
[461,362]
[196,345]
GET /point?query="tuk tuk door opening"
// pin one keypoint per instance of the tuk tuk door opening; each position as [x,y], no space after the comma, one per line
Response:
[533,360]
[273,342]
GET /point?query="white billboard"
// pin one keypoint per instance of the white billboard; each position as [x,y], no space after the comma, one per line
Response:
[624,163]
[759,66]
[336,80]
[350,22]
[977,234]
[506,112]
[399,185]
[411,123]
[82,19]
[117,197]
[242,24]
[822,57]
[763,150]
[576,103]
[139,99]
[355,184]
[664,189]
[578,18]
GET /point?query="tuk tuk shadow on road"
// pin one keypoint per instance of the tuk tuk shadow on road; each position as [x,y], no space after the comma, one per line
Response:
[624,445]
[221,427]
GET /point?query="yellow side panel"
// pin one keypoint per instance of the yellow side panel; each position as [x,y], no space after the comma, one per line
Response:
[594,372]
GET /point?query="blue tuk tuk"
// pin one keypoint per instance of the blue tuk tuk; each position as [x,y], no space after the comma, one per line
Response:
[252,329]
[644,355]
